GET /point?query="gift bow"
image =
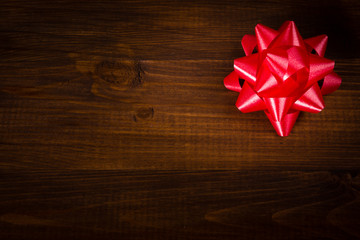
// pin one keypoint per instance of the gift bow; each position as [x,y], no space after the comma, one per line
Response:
[282,77]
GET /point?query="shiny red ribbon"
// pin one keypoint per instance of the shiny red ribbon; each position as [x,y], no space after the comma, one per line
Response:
[282,77]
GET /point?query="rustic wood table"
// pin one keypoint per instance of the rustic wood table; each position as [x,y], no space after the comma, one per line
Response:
[115,124]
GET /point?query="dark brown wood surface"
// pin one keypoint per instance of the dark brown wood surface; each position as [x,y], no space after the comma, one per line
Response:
[115,124]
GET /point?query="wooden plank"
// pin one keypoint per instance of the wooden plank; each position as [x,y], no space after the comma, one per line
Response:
[168,29]
[187,205]
[166,115]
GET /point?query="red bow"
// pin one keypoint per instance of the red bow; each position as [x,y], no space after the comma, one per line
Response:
[282,77]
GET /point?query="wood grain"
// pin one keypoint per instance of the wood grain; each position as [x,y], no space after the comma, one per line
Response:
[114,123]
[168,115]
[180,205]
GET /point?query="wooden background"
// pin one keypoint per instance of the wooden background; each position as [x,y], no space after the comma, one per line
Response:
[115,124]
